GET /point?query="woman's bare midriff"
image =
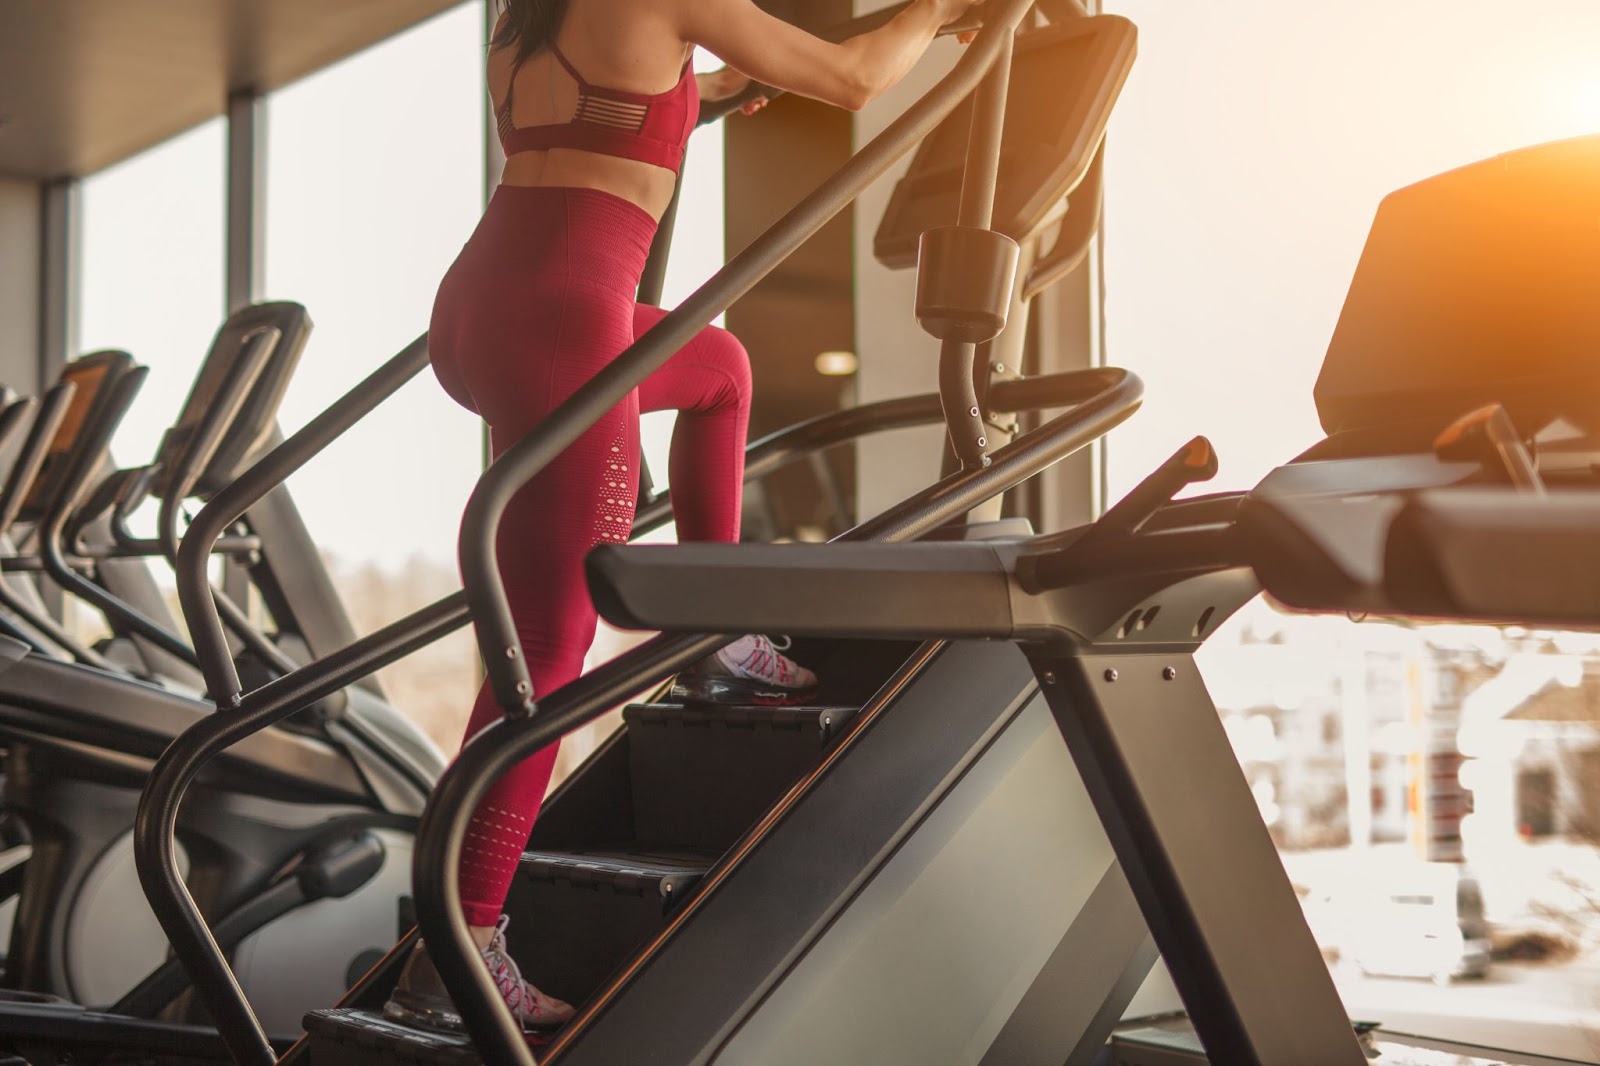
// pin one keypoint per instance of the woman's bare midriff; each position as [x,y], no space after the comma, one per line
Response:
[648,186]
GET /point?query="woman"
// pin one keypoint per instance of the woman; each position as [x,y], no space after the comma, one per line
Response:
[595,102]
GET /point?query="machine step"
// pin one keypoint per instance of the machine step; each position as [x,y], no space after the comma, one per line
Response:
[344,1037]
[664,877]
[702,776]
[577,916]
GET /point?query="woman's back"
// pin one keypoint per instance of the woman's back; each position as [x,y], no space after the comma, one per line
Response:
[623,45]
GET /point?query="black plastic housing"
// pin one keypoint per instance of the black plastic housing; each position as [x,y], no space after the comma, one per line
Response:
[965,276]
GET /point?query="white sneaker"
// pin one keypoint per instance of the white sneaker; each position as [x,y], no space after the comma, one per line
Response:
[422,1000]
[751,670]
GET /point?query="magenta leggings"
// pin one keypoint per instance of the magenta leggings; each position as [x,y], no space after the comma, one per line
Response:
[541,298]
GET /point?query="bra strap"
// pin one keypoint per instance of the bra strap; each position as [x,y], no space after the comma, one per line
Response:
[561,57]
[511,88]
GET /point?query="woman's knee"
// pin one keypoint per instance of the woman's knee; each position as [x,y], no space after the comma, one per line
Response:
[726,352]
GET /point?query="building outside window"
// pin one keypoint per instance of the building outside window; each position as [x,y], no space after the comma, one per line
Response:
[1434,790]
[374,180]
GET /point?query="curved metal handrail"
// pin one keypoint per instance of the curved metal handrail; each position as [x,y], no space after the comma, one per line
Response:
[807,438]
[228,506]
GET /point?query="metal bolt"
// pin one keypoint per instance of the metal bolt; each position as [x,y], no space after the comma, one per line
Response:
[1111,674]
[973,412]
[1169,672]
[1048,677]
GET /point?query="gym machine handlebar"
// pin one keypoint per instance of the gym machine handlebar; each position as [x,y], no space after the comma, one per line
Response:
[788,445]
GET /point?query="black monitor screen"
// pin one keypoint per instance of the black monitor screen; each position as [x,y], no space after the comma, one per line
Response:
[1478,286]
[1064,81]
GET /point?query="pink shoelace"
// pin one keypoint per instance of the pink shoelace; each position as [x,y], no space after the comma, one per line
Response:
[764,660]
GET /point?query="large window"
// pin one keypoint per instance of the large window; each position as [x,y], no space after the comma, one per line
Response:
[1248,155]
[374,181]
[151,273]
[151,276]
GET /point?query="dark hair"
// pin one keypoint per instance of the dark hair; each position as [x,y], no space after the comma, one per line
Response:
[529,25]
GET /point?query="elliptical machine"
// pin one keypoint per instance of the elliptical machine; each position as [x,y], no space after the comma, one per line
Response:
[301,848]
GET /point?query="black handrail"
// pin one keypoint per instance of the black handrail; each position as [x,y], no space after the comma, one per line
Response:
[228,506]
[14,417]
[35,450]
[497,637]
[54,536]
[87,453]
[807,438]
[1032,452]
[24,472]
[957,387]
[503,744]
[208,435]
[154,829]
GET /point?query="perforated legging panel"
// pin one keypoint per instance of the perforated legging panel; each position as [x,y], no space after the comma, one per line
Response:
[540,299]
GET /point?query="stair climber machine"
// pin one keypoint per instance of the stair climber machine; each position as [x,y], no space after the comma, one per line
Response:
[1014,795]
[623,868]
[300,848]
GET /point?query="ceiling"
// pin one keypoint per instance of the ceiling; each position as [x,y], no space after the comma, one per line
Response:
[87,83]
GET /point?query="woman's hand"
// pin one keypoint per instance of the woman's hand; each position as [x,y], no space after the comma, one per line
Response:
[721,84]
[850,74]
[955,10]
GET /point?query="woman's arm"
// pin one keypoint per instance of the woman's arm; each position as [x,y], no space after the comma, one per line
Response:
[721,84]
[850,74]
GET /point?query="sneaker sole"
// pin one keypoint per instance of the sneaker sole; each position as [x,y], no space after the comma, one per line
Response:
[736,692]
[424,1012]
[436,1015]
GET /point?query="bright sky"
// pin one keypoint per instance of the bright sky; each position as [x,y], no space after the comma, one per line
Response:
[366,207]
[1246,158]
[1249,151]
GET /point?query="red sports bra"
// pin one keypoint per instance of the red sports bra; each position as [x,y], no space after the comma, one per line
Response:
[649,127]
